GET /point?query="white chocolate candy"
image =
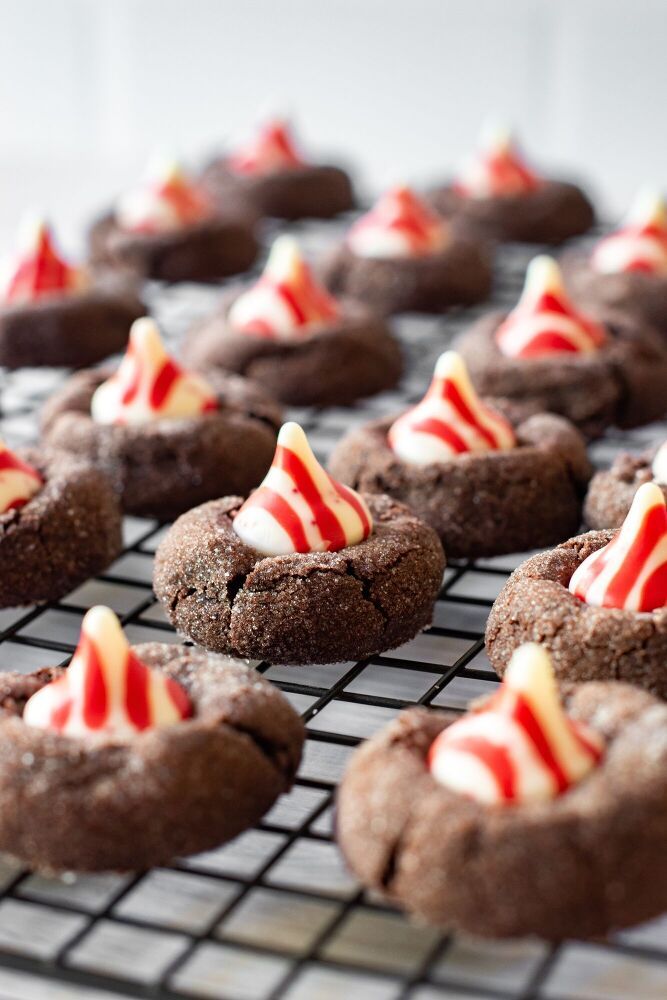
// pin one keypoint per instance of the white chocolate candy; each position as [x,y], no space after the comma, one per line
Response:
[521,747]
[149,385]
[640,245]
[450,420]
[399,225]
[19,482]
[166,202]
[286,303]
[545,322]
[106,690]
[497,170]
[38,270]
[299,507]
[659,466]
[630,572]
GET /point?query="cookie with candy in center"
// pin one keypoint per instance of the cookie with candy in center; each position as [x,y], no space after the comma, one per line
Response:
[486,485]
[597,601]
[305,570]
[289,334]
[169,438]
[540,811]
[134,756]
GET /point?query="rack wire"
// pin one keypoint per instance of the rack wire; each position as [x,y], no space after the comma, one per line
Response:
[275,914]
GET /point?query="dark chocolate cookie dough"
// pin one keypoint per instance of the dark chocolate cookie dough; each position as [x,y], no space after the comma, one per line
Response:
[553,212]
[163,467]
[203,251]
[641,295]
[315,607]
[72,330]
[588,862]
[70,530]
[586,643]
[354,357]
[483,503]
[105,803]
[611,492]
[458,275]
[318,192]
[623,383]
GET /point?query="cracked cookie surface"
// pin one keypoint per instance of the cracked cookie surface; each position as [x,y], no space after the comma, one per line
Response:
[315,607]
[584,863]
[585,642]
[126,804]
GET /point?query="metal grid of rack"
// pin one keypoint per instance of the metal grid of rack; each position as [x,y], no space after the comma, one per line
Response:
[275,914]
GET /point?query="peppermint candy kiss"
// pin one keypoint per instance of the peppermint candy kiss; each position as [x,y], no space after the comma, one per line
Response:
[520,747]
[641,244]
[399,225]
[545,322]
[299,507]
[272,150]
[450,420]
[497,170]
[149,385]
[631,571]
[38,270]
[106,690]
[659,466]
[287,302]
[168,201]
[18,481]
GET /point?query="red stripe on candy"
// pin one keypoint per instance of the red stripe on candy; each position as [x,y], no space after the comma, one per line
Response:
[648,536]
[137,699]
[94,707]
[281,511]
[351,497]
[525,717]
[546,342]
[326,521]
[495,758]
[165,379]
[437,428]
[451,393]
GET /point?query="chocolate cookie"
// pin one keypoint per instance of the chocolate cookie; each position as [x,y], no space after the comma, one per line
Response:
[69,803]
[586,643]
[335,365]
[314,607]
[612,491]
[480,503]
[203,251]
[587,862]
[70,530]
[635,292]
[458,275]
[622,383]
[71,330]
[553,212]
[318,192]
[163,467]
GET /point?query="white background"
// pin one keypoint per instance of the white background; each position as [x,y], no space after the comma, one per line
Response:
[88,88]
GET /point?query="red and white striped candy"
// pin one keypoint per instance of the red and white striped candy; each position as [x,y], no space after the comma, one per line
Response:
[107,690]
[659,465]
[497,170]
[167,201]
[287,302]
[399,225]
[149,385]
[630,572]
[38,270]
[545,322]
[18,481]
[299,507]
[450,420]
[271,150]
[641,244]
[521,747]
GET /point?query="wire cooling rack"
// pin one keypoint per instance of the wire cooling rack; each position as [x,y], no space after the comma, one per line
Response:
[275,914]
